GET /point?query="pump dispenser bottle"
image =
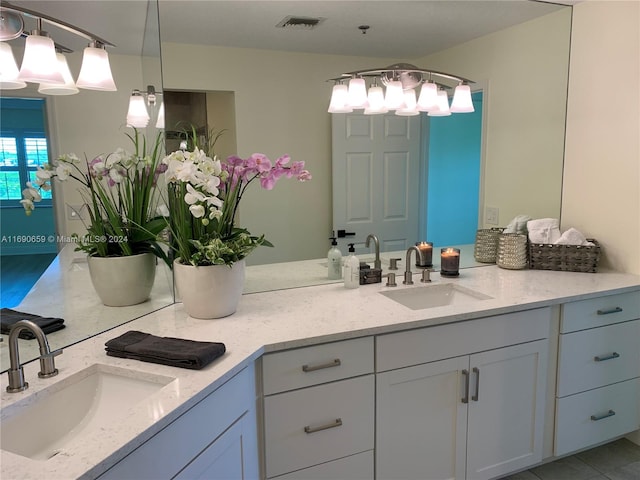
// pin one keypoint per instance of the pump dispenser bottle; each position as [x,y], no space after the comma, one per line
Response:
[334,260]
[352,269]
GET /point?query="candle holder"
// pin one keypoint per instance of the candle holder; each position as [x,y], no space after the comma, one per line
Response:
[450,262]
[425,259]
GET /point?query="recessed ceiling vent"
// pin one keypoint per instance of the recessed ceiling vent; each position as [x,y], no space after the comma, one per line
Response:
[300,23]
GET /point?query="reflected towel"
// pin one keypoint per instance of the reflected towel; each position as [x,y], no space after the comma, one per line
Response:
[518,225]
[544,230]
[48,324]
[573,237]
[175,352]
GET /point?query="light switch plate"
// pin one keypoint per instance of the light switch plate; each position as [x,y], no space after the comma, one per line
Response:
[492,215]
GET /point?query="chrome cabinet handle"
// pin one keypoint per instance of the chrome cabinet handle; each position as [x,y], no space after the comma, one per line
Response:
[610,413]
[336,423]
[608,311]
[312,368]
[477,372]
[598,358]
[465,374]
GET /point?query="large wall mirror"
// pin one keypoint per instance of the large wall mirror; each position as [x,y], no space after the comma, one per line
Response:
[92,123]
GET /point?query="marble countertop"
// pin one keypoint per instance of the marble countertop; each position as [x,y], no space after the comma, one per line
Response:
[267,322]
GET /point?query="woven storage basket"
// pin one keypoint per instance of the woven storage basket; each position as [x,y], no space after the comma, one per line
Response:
[486,246]
[512,251]
[566,258]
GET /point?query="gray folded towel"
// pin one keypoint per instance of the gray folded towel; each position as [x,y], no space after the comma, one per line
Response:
[175,352]
[48,324]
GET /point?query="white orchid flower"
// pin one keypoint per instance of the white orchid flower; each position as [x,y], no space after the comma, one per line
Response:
[42,174]
[116,175]
[193,196]
[197,211]
[63,171]
[28,205]
[31,193]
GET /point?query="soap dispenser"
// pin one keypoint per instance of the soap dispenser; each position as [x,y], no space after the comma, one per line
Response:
[334,260]
[352,269]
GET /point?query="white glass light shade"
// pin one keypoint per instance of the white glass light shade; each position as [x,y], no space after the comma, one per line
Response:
[339,100]
[357,93]
[462,102]
[376,101]
[137,116]
[9,69]
[443,106]
[69,88]
[39,64]
[160,120]
[394,97]
[95,73]
[410,107]
[428,99]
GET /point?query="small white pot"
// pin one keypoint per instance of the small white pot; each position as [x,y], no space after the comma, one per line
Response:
[123,281]
[211,291]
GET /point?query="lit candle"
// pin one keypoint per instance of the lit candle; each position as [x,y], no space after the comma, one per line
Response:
[426,254]
[449,262]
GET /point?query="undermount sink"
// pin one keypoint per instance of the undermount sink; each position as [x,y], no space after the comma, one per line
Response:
[431,296]
[40,426]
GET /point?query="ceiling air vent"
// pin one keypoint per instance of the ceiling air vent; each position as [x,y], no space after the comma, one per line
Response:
[301,23]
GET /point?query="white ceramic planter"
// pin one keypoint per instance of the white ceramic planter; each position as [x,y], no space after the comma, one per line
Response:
[211,291]
[123,281]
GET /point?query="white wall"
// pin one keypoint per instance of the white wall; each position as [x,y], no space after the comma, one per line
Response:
[602,163]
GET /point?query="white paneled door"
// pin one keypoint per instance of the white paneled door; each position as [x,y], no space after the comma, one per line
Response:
[376,179]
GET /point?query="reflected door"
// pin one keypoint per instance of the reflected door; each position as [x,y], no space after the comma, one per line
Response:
[376,179]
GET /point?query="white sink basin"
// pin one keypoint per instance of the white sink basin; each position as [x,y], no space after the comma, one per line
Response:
[39,426]
[434,296]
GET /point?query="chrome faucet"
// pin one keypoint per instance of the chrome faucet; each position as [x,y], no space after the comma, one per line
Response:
[47,364]
[377,263]
[407,273]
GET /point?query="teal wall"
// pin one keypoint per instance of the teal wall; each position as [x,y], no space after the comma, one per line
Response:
[453,184]
[19,234]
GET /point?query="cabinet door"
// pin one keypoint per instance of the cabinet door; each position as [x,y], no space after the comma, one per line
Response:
[506,410]
[421,422]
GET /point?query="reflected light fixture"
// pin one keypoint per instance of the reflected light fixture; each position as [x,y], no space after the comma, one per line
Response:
[44,62]
[401,81]
[138,114]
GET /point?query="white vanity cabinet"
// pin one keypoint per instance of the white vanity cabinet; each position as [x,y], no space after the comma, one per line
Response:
[214,440]
[598,389]
[463,400]
[319,411]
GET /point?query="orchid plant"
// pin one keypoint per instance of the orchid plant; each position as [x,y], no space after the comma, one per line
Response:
[119,190]
[204,197]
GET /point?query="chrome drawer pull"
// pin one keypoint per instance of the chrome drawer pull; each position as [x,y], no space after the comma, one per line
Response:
[326,426]
[334,363]
[465,374]
[611,310]
[477,372]
[607,357]
[610,413]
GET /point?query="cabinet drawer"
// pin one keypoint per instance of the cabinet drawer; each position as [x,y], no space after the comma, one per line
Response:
[600,311]
[596,416]
[355,467]
[318,424]
[598,357]
[403,349]
[304,367]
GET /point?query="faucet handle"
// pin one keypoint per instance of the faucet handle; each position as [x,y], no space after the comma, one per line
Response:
[393,263]
[391,279]
[48,365]
[426,275]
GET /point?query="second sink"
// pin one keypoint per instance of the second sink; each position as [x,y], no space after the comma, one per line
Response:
[431,296]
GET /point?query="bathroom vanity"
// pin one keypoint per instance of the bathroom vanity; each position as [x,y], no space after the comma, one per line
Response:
[325,382]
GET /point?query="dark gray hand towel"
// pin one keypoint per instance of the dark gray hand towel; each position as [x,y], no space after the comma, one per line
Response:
[175,352]
[48,325]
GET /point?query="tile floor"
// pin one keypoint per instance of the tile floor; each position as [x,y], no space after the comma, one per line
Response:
[619,460]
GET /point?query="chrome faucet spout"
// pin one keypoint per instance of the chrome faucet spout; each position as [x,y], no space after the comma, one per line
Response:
[47,364]
[377,263]
[407,273]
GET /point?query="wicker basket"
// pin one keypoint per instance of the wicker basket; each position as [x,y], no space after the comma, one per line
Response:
[486,246]
[566,258]
[512,251]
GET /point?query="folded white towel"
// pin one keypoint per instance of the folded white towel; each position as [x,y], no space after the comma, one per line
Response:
[573,237]
[518,225]
[544,230]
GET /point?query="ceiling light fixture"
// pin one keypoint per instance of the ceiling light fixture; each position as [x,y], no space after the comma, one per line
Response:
[401,81]
[44,60]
